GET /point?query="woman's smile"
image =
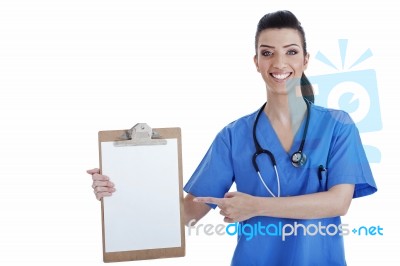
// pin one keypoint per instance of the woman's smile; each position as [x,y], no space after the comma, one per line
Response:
[279,77]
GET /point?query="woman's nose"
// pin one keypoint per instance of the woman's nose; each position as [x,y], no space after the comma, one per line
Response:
[279,61]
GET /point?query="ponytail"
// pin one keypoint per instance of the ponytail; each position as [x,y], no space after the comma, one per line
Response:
[306,89]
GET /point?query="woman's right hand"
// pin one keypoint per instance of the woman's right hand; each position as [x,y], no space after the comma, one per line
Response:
[102,186]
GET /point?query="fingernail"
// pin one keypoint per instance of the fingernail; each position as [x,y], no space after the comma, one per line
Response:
[196,200]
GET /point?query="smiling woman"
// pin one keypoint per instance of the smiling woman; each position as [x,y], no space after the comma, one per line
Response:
[264,153]
[279,57]
[293,41]
[279,130]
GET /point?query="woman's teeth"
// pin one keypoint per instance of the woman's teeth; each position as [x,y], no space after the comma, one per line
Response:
[281,76]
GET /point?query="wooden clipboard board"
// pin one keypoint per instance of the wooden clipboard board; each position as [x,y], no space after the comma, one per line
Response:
[143,219]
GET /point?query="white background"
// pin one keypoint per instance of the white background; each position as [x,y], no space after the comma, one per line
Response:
[71,68]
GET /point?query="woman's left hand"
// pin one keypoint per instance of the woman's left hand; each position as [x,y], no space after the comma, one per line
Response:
[235,206]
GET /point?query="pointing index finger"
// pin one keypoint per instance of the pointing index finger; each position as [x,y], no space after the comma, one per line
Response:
[209,200]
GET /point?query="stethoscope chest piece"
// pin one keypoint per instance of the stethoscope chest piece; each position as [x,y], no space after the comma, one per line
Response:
[298,159]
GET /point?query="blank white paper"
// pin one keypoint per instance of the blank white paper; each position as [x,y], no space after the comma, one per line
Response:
[144,212]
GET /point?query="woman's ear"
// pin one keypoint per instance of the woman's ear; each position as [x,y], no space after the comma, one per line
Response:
[256,63]
[306,59]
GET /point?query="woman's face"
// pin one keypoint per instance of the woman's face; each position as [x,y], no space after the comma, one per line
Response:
[280,59]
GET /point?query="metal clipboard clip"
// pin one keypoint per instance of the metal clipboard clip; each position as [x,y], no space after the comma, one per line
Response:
[139,135]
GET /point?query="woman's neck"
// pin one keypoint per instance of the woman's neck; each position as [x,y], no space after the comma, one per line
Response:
[287,110]
[285,114]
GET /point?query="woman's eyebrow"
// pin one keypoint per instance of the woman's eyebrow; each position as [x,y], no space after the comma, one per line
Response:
[286,46]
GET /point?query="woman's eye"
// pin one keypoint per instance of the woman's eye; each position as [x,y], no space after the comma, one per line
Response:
[292,52]
[266,53]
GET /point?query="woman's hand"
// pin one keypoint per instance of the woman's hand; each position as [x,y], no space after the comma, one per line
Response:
[102,186]
[235,206]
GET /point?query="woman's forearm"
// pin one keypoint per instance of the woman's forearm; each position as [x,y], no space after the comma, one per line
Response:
[334,202]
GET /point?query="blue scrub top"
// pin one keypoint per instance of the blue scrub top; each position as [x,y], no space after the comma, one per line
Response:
[332,141]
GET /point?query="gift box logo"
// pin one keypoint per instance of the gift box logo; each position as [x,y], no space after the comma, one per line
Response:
[355,92]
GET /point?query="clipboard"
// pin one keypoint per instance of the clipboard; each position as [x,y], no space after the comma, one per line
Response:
[143,219]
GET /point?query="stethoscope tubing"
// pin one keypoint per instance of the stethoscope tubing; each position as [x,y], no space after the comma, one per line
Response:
[296,161]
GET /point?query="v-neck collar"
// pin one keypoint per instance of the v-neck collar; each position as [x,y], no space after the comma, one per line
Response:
[270,140]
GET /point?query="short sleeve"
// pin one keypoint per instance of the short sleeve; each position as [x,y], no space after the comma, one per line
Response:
[214,175]
[347,162]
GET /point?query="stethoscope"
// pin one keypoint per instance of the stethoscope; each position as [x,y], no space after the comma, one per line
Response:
[298,158]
